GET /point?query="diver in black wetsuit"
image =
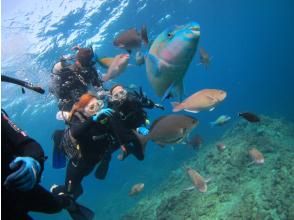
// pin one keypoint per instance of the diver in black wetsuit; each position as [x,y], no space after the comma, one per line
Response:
[22,164]
[130,116]
[86,143]
[70,81]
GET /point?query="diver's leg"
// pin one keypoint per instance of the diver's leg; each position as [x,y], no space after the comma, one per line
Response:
[14,205]
[42,200]
[103,167]
[135,147]
[74,175]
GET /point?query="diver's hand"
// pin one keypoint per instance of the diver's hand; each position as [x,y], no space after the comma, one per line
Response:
[159,106]
[142,130]
[25,175]
[102,113]
[102,94]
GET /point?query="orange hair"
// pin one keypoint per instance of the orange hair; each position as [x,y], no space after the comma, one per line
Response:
[82,103]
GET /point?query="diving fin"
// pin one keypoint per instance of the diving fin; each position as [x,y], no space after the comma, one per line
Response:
[58,159]
[81,213]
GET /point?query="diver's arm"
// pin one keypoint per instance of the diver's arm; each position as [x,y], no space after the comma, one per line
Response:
[77,128]
[24,146]
[145,102]
[96,80]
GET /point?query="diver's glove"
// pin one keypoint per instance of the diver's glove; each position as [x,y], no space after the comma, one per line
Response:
[25,175]
[143,131]
[107,112]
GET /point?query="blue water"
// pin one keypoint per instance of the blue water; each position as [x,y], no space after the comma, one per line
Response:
[252,47]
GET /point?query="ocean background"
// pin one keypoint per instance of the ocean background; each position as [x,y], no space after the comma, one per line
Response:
[252,47]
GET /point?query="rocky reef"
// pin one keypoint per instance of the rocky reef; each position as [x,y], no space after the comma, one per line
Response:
[237,189]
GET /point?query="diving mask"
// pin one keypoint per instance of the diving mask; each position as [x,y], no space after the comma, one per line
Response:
[121,95]
[94,106]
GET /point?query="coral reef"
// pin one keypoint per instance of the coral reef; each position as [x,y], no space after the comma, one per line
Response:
[237,190]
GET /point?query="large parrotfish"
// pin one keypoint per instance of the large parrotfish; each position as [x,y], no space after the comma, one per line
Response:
[169,57]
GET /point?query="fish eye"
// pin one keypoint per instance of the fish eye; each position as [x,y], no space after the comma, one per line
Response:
[169,35]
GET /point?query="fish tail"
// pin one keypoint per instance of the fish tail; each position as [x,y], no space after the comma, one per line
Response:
[176,106]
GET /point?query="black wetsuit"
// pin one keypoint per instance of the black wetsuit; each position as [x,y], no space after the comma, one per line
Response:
[95,141]
[131,111]
[71,82]
[129,116]
[16,204]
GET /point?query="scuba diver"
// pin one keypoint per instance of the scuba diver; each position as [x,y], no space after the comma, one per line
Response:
[22,164]
[86,142]
[130,116]
[70,81]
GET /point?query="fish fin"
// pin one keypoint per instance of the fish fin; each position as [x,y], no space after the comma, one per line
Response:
[179,90]
[144,35]
[129,51]
[105,78]
[187,110]
[211,98]
[160,144]
[176,107]
[189,188]
[105,62]
[169,92]
[212,109]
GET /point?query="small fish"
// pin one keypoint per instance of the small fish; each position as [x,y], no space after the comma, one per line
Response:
[196,141]
[221,120]
[118,65]
[131,39]
[136,189]
[105,62]
[256,156]
[250,117]
[139,58]
[198,181]
[206,99]
[23,90]
[221,146]
[205,59]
